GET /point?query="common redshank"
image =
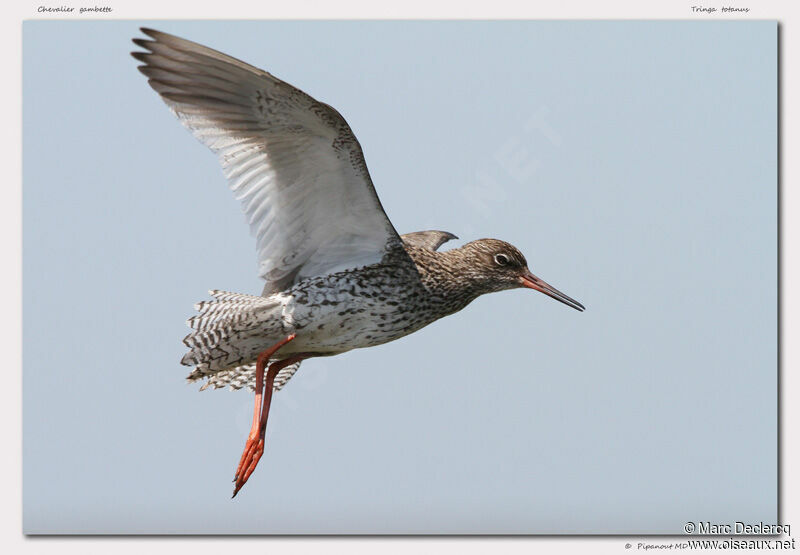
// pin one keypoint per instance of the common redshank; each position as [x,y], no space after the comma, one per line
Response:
[338,276]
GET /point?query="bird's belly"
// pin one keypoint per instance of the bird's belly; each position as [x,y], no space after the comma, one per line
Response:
[349,322]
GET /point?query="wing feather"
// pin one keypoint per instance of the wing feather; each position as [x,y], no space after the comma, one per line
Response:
[292,162]
[430,240]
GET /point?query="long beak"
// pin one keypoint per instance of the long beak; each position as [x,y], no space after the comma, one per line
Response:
[533,282]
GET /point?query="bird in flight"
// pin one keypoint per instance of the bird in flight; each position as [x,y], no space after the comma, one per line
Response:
[337,274]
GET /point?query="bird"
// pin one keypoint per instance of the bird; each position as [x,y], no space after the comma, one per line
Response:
[337,274]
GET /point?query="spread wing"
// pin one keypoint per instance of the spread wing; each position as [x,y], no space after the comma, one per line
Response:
[293,162]
[431,240]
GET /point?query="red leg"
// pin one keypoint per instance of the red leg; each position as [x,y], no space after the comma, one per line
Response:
[261,361]
[254,447]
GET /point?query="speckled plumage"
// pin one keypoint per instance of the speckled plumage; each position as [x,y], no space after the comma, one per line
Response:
[353,309]
[337,274]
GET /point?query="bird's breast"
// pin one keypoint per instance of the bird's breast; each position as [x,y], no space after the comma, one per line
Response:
[340,312]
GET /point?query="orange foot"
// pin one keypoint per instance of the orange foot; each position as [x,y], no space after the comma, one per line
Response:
[253,450]
[254,447]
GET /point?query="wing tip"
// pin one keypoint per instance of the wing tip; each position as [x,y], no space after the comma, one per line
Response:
[150,32]
[144,43]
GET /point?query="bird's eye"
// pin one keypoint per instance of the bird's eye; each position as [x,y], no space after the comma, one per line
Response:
[501,259]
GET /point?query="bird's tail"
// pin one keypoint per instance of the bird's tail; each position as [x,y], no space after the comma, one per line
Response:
[229,332]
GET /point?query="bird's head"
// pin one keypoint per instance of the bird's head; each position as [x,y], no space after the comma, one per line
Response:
[494,265]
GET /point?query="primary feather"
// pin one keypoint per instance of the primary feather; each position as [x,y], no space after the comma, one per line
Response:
[292,161]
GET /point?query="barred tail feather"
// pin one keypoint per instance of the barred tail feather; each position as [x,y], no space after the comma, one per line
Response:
[245,376]
[229,332]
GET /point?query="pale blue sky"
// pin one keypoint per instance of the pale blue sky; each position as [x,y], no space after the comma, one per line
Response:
[634,163]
